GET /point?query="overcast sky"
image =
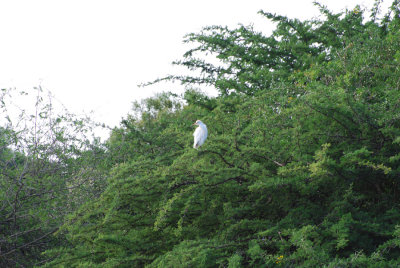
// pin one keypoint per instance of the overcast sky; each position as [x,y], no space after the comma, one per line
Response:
[92,54]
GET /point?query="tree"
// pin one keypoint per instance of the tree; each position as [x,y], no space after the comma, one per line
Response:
[44,157]
[300,168]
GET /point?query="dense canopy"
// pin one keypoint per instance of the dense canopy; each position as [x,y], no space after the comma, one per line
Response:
[301,167]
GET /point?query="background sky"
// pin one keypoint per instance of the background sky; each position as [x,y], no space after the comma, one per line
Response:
[92,54]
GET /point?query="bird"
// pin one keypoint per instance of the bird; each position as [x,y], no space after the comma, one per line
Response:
[200,134]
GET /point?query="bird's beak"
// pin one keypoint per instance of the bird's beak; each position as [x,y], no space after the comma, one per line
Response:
[194,124]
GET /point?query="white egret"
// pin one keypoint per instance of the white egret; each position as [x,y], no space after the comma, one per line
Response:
[200,134]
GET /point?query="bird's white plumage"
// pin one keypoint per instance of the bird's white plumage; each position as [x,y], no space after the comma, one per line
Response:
[200,134]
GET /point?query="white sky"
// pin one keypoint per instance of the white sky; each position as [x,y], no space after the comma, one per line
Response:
[92,54]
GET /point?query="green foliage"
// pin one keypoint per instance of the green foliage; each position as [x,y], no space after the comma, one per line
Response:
[48,168]
[300,168]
